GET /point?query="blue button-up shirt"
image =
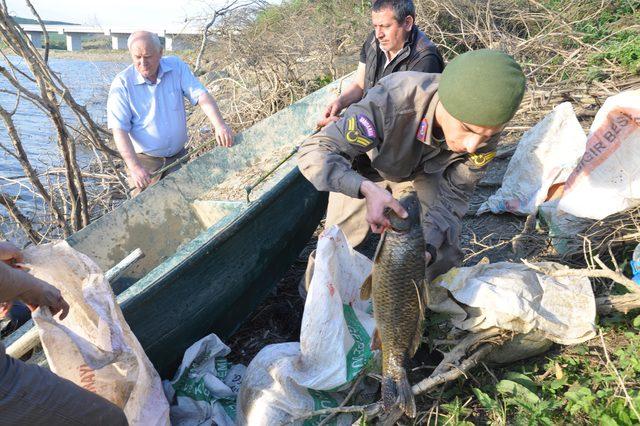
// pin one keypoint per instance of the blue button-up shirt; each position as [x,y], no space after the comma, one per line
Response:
[154,114]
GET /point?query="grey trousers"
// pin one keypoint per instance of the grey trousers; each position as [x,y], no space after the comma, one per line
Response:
[350,215]
[152,164]
[31,395]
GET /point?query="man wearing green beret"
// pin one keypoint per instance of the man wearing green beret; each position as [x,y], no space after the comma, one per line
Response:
[436,132]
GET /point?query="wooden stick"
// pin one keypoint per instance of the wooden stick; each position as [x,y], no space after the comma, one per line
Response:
[465,346]
[367,409]
[116,272]
[604,272]
[22,340]
[345,400]
[621,303]
[26,337]
[452,374]
[179,160]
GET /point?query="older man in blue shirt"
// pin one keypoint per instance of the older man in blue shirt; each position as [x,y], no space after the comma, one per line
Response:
[146,112]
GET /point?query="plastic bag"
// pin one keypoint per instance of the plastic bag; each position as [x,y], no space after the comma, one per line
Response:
[607,178]
[206,385]
[514,297]
[288,380]
[564,228]
[546,154]
[94,346]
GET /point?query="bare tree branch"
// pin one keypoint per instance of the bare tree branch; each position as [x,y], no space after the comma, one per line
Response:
[229,7]
[45,33]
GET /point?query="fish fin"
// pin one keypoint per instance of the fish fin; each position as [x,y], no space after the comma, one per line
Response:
[417,339]
[406,401]
[383,236]
[376,343]
[392,418]
[397,393]
[365,288]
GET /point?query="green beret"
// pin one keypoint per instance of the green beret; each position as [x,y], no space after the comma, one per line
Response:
[482,87]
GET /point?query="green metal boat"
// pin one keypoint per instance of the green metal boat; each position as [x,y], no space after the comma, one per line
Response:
[209,263]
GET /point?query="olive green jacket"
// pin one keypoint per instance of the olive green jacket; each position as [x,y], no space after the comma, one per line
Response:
[390,124]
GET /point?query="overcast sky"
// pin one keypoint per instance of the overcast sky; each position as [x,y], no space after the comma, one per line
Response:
[117,13]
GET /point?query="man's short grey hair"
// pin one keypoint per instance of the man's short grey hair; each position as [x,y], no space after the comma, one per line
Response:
[401,8]
[144,35]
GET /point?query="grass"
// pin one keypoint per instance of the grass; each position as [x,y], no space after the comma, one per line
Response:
[624,49]
[596,382]
[615,31]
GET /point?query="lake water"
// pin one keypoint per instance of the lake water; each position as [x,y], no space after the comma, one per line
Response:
[89,84]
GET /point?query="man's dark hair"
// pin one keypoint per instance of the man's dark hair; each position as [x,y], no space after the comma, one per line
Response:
[401,8]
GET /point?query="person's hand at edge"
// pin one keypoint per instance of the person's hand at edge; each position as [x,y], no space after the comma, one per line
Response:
[224,135]
[9,253]
[40,293]
[330,113]
[141,177]
[377,199]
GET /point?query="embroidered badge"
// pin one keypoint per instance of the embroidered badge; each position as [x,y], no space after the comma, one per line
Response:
[367,126]
[421,135]
[480,160]
[353,135]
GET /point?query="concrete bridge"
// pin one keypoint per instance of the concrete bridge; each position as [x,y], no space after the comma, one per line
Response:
[119,36]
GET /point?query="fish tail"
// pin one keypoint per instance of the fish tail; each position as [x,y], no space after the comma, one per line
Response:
[389,393]
[397,393]
[406,401]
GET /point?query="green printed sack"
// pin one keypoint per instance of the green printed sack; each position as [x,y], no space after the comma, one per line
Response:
[205,387]
[286,381]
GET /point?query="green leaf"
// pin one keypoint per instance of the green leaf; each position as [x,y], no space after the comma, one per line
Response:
[485,400]
[557,384]
[636,322]
[516,390]
[622,412]
[605,420]
[523,380]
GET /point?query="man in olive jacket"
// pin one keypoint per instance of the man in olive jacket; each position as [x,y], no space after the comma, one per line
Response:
[431,133]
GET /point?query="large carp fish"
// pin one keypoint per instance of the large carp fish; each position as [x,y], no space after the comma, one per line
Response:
[396,286]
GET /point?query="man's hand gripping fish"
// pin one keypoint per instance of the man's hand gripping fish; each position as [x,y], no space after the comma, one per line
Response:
[396,286]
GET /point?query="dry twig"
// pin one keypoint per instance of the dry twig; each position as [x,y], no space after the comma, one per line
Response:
[612,367]
[604,272]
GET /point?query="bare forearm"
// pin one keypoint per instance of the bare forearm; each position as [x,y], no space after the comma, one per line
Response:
[14,283]
[211,110]
[350,95]
[125,148]
[224,134]
[355,91]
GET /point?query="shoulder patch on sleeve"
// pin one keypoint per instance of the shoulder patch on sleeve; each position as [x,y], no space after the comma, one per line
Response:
[360,131]
[482,159]
[421,134]
[366,125]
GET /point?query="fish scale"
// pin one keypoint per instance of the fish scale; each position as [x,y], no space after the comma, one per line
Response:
[396,287]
